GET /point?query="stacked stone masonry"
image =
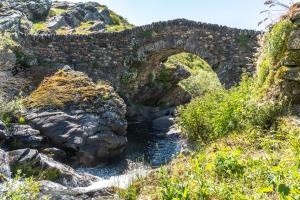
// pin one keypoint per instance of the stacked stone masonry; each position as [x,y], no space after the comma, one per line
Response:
[109,55]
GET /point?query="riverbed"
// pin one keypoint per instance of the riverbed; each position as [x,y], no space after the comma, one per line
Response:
[146,150]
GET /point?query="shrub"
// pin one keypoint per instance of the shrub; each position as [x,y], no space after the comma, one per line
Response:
[228,165]
[202,80]
[9,110]
[219,113]
[21,189]
[200,83]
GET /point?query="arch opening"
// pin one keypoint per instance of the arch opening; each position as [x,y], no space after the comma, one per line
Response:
[172,77]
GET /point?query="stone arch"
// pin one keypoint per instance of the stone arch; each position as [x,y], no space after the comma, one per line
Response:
[105,55]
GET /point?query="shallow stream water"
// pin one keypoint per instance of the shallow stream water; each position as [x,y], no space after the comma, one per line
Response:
[146,150]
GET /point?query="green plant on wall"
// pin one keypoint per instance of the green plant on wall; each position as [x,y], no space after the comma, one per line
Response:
[244,41]
[145,34]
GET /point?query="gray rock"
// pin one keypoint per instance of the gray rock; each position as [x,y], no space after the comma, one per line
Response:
[98,26]
[59,173]
[92,127]
[294,41]
[14,21]
[75,15]
[292,74]
[4,166]
[3,132]
[92,136]
[78,13]
[7,59]
[56,154]
[24,136]
[34,10]
[163,123]
[62,4]
[105,16]
[56,22]
[57,191]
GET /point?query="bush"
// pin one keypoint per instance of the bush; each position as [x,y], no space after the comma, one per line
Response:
[200,83]
[9,110]
[224,111]
[228,165]
[202,80]
[21,189]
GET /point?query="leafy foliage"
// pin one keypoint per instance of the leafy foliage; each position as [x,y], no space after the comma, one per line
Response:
[203,78]
[21,189]
[9,110]
[221,112]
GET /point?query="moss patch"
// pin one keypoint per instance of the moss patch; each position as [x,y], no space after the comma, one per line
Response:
[67,88]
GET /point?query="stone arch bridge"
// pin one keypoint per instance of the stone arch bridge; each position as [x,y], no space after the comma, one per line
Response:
[109,56]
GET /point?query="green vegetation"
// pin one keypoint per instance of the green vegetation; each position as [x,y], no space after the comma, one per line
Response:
[35,172]
[21,189]
[65,88]
[38,26]
[273,48]
[118,23]
[202,80]
[118,28]
[244,41]
[224,111]
[6,42]
[145,34]
[248,147]
[56,11]
[9,110]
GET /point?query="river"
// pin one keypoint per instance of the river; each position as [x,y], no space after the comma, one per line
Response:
[146,150]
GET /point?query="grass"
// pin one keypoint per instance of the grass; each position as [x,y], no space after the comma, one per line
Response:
[118,28]
[38,26]
[202,80]
[245,147]
[118,23]
[250,164]
[55,12]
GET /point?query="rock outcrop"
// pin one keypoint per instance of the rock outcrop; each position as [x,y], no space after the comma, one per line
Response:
[33,163]
[79,116]
[33,10]
[24,136]
[4,166]
[75,14]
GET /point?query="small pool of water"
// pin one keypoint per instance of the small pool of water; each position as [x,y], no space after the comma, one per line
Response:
[146,150]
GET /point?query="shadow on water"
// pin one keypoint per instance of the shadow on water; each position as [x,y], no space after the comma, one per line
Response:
[146,150]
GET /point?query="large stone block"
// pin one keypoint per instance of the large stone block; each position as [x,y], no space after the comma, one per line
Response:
[292,74]
[294,40]
[291,58]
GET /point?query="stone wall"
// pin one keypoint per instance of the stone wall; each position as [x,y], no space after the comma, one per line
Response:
[109,56]
[290,69]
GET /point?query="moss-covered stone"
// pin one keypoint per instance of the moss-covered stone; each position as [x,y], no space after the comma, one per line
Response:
[68,88]
[291,58]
